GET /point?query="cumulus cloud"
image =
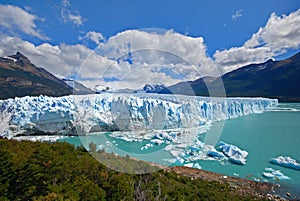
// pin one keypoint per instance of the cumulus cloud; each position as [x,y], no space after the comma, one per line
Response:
[62,60]
[15,19]
[237,14]
[177,58]
[70,17]
[96,37]
[280,34]
[164,48]
[133,58]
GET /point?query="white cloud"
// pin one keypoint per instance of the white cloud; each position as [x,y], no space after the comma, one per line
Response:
[13,18]
[237,14]
[70,17]
[96,37]
[62,60]
[164,48]
[280,34]
[137,57]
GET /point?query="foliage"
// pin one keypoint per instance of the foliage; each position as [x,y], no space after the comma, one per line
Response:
[58,171]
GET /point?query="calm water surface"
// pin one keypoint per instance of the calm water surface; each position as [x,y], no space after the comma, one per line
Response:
[265,136]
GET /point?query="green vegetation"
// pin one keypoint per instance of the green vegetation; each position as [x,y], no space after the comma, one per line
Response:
[58,171]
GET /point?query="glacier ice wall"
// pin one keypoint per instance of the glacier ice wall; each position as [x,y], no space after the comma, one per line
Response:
[112,112]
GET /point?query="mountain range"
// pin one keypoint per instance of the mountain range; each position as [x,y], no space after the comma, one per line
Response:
[273,79]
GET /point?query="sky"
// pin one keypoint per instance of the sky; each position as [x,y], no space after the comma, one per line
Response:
[128,43]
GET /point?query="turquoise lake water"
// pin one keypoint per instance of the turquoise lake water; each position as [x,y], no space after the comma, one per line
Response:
[263,136]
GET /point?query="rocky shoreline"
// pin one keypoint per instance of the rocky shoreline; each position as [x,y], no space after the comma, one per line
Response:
[239,185]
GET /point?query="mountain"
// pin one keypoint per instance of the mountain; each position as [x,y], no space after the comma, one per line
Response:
[19,77]
[272,79]
[148,88]
[78,88]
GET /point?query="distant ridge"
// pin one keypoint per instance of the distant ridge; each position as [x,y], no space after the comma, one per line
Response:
[19,77]
[272,79]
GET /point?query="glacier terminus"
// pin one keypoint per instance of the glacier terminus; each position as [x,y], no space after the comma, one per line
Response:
[85,114]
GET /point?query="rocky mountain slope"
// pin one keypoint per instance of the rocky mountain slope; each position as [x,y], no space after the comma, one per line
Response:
[19,77]
[272,79]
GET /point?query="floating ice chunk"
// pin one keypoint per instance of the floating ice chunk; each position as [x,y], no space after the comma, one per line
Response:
[216,154]
[189,165]
[179,160]
[238,159]
[269,169]
[147,146]
[159,136]
[169,147]
[197,166]
[175,152]
[182,145]
[158,141]
[173,160]
[276,174]
[100,147]
[235,154]
[268,175]
[286,161]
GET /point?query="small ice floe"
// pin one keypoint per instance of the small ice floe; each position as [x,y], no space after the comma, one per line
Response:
[269,169]
[189,165]
[147,146]
[236,174]
[160,136]
[182,145]
[100,147]
[171,161]
[179,160]
[169,147]
[193,165]
[234,153]
[286,161]
[197,166]
[175,153]
[158,141]
[268,174]
[275,174]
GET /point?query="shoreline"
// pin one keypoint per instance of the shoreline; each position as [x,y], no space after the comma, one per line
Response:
[239,186]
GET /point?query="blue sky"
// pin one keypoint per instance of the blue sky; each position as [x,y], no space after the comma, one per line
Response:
[220,29]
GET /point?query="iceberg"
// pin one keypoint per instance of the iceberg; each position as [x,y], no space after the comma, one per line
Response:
[234,153]
[84,114]
[286,161]
[275,174]
[216,154]
[193,165]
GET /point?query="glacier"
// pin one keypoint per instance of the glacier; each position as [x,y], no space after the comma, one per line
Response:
[84,114]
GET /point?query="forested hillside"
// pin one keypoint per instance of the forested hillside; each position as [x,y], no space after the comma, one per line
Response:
[58,171]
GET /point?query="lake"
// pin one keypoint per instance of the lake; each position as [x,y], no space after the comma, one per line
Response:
[264,136]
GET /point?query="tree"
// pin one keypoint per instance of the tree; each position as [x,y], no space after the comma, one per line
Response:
[92,147]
